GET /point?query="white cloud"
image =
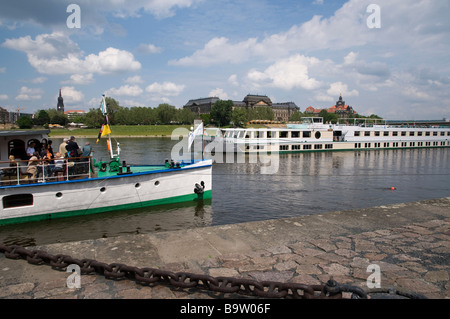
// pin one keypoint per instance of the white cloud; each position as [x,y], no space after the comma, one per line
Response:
[159,8]
[220,93]
[148,49]
[125,90]
[3,97]
[39,80]
[287,74]
[28,94]
[134,80]
[2,70]
[233,80]
[338,88]
[219,50]
[71,95]
[165,89]
[56,54]
[81,79]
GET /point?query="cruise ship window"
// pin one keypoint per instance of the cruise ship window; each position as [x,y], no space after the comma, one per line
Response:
[386,133]
[306,134]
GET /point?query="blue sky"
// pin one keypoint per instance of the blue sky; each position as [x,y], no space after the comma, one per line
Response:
[147,52]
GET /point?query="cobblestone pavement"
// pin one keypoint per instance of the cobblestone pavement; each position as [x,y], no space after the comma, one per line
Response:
[413,254]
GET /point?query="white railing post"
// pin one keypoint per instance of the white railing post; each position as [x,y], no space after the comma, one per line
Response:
[67,169]
[18,173]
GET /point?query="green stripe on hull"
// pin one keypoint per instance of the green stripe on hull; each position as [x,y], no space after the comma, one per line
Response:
[157,202]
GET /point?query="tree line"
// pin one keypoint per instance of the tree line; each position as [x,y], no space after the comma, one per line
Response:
[222,114]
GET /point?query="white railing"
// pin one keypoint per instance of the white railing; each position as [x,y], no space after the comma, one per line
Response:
[45,170]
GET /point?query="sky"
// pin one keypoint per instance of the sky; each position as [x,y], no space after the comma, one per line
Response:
[386,57]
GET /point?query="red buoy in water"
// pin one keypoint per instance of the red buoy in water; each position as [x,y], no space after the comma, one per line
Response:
[393,188]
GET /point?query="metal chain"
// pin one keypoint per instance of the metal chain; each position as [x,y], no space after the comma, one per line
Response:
[185,280]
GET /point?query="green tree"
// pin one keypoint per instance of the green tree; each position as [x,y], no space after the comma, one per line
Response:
[166,113]
[94,118]
[206,118]
[239,116]
[185,116]
[41,117]
[221,112]
[113,107]
[25,122]
[328,117]
[297,116]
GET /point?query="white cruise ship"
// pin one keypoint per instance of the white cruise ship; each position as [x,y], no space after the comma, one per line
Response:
[314,135]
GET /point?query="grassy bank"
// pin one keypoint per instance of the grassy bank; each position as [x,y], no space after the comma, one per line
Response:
[122,131]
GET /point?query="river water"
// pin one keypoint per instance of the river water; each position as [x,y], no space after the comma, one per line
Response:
[303,184]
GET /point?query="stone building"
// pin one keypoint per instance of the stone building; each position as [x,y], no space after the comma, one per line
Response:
[60,105]
[282,111]
[340,108]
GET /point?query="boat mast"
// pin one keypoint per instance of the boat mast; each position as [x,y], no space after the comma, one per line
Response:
[105,113]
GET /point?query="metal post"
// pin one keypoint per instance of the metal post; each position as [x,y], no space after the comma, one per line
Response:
[67,169]
[18,173]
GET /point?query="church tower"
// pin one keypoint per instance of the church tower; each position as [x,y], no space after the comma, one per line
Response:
[60,106]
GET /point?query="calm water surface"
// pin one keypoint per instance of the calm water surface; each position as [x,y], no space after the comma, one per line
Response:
[309,183]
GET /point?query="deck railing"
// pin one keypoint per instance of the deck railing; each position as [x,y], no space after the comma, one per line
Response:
[19,172]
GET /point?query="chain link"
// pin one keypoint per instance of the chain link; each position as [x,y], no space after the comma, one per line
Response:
[184,280]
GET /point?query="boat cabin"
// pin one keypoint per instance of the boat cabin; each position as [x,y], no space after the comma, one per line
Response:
[16,142]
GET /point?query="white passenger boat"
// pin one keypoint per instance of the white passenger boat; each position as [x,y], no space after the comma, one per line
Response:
[314,135]
[82,188]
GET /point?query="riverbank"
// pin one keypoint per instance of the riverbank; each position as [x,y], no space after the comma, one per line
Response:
[409,242]
[119,131]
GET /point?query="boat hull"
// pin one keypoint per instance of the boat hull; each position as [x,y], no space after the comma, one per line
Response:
[34,202]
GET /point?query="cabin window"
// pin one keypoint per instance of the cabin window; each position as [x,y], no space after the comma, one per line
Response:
[435,133]
[295,147]
[306,133]
[357,133]
[318,146]
[295,134]
[403,133]
[318,135]
[427,133]
[386,133]
[357,145]
[367,133]
[394,133]
[412,144]
[328,146]
[411,133]
[18,200]
[386,144]
[17,149]
[283,134]
[377,133]
[271,134]
[448,133]
[306,147]
[442,133]
[419,133]
[284,147]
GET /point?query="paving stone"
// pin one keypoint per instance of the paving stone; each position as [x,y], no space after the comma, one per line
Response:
[412,252]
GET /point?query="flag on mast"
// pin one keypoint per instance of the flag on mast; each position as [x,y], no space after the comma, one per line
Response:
[192,135]
[104,130]
[103,105]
